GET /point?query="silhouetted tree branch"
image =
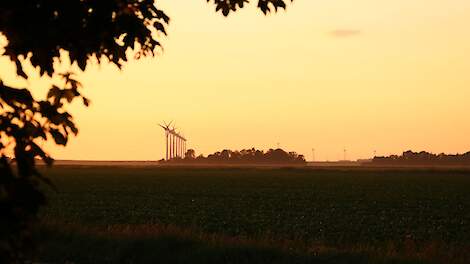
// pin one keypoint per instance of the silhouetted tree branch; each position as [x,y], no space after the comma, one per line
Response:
[266,6]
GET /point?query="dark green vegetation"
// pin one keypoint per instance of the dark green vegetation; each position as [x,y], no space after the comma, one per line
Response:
[360,213]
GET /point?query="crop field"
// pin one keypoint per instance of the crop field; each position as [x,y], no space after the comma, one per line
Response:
[337,208]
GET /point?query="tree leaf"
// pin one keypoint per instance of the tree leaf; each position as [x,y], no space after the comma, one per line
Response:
[59,138]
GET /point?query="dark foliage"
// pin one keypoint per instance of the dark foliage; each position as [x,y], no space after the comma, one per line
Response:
[245,156]
[424,158]
[23,123]
[38,30]
[41,33]
[266,6]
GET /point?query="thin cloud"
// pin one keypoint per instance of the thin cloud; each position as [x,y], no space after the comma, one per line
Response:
[344,33]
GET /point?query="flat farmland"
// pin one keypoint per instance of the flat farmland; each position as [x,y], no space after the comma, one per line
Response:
[340,207]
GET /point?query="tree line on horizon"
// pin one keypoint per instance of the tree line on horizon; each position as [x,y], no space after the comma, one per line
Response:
[423,158]
[272,156]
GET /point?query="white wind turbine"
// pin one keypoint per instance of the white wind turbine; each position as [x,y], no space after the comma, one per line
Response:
[166,127]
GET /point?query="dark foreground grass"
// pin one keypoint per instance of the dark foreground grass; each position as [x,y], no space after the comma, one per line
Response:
[169,244]
[116,215]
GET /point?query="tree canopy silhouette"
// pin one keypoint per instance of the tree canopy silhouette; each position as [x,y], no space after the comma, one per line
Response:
[423,158]
[244,156]
[41,33]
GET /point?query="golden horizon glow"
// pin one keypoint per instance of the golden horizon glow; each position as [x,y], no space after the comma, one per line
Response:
[366,75]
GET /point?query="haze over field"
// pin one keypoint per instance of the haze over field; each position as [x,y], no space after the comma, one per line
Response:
[366,75]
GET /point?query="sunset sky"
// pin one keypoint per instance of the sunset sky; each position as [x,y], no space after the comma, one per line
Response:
[362,74]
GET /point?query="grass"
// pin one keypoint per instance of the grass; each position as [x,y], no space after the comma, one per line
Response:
[169,244]
[211,215]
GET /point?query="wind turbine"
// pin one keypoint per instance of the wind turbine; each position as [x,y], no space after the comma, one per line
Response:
[173,143]
[183,144]
[166,127]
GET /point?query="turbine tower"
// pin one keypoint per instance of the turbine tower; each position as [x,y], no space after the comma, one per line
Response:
[177,140]
[173,148]
[183,148]
[166,127]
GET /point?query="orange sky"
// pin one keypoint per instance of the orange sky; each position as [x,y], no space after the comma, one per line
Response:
[362,74]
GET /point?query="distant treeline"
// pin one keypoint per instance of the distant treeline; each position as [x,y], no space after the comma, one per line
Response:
[423,158]
[245,156]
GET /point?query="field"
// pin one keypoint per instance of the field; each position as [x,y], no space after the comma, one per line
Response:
[256,215]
